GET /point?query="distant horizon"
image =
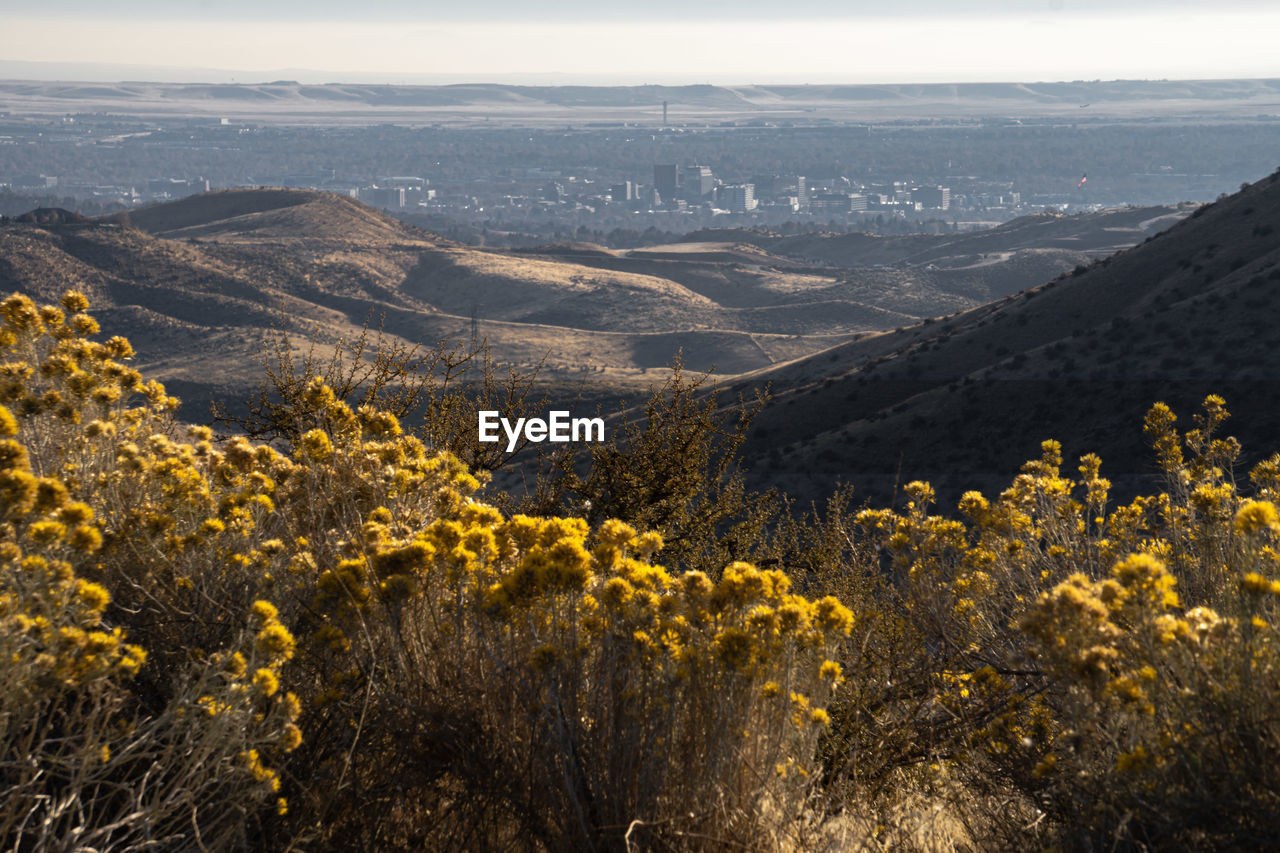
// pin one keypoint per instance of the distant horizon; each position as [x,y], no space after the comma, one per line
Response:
[126,73]
[576,42]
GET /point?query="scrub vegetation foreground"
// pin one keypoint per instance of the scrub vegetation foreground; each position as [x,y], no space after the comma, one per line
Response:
[334,643]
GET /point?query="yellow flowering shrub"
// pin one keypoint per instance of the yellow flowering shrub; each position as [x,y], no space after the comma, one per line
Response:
[569,683]
[336,642]
[1115,667]
[125,712]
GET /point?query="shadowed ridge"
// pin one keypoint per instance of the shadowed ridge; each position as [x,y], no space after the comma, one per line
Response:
[51,216]
[1080,359]
[210,207]
[274,213]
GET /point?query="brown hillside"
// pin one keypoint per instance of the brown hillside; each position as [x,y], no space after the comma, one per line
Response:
[200,281]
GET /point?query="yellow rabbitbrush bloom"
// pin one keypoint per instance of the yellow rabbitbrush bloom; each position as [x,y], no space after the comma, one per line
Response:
[266,682]
[276,642]
[94,596]
[831,671]
[1255,583]
[1145,582]
[1256,517]
[735,648]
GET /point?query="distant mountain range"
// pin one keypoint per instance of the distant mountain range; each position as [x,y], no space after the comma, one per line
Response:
[281,98]
[963,400]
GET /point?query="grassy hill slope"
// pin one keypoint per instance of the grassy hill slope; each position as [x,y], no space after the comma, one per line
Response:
[964,399]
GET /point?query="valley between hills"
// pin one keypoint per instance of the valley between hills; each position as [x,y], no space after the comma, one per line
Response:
[947,357]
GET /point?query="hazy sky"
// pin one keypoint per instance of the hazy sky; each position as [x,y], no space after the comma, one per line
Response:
[720,41]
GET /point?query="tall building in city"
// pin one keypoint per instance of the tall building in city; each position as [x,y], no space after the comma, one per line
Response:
[666,179]
[802,192]
[938,198]
[696,182]
[737,198]
[834,202]
[623,192]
